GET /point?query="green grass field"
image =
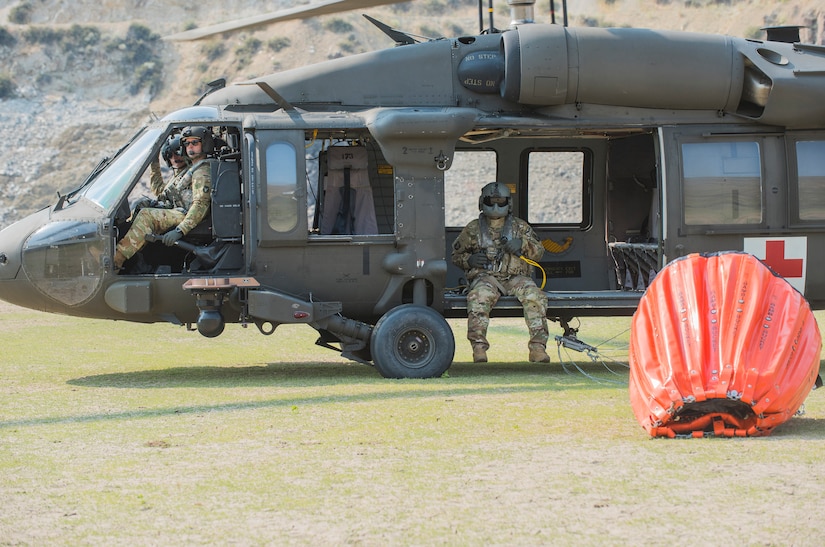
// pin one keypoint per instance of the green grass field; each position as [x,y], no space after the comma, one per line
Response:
[121,434]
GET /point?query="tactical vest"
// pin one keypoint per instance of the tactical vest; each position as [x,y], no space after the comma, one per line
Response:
[500,262]
[178,194]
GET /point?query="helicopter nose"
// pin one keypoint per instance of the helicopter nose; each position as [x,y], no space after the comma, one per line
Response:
[52,263]
[14,286]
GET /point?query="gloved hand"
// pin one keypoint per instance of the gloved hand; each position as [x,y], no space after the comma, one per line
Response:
[170,237]
[478,260]
[144,202]
[513,246]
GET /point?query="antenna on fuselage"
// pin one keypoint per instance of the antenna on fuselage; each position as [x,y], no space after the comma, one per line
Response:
[401,38]
[481,17]
[553,11]
[212,86]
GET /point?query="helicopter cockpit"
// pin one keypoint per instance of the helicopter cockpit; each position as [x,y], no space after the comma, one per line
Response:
[64,258]
[67,256]
[215,243]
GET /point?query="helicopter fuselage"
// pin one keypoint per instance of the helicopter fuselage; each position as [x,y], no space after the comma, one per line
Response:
[339,188]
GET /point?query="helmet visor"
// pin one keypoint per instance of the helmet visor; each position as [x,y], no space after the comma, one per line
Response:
[489,201]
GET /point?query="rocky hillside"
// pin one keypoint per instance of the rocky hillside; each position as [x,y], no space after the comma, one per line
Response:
[73,91]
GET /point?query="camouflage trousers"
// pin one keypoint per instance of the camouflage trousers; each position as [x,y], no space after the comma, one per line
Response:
[485,292]
[148,221]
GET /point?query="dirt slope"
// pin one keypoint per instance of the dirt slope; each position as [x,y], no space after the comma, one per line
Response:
[74,104]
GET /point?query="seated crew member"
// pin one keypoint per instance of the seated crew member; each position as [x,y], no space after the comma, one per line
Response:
[175,158]
[182,203]
[488,250]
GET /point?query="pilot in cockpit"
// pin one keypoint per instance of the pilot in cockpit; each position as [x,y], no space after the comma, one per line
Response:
[181,205]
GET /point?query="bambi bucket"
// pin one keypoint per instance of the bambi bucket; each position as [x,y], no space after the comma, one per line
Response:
[722,346]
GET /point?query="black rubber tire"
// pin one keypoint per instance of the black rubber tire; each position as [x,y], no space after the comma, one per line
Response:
[412,342]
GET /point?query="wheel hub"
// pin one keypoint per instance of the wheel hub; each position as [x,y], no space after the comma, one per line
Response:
[413,346]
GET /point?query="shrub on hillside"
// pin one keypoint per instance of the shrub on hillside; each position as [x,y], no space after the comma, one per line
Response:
[436,7]
[430,31]
[73,39]
[277,44]
[7,87]
[213,50]
[7,39]
[80,36]
[21,14]
[41,35]
[138,51]
[350,45]
[246,50]
[338,26]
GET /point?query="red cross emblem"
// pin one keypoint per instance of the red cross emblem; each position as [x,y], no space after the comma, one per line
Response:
[775,258]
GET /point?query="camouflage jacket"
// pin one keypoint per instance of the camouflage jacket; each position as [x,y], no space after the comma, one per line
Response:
[189,192]
[157,184]
[503,265]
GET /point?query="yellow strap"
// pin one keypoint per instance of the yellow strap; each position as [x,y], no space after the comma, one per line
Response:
[537,265]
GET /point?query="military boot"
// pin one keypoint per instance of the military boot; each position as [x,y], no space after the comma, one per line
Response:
[538,354]
[479,353]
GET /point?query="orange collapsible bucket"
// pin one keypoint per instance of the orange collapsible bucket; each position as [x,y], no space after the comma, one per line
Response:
[720,345]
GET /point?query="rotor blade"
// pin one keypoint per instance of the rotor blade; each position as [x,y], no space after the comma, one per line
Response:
[298,12]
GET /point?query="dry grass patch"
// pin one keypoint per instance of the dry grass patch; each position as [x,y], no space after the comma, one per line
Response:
[119,434]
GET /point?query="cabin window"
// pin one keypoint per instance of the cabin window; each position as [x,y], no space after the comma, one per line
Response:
[555,187]
[722,183]
[463,181]
[810,158]
[281,186]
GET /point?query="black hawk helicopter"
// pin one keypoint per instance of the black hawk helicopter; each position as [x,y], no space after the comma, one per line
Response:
[624,148]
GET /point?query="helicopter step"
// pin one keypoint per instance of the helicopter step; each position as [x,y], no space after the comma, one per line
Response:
[563,303]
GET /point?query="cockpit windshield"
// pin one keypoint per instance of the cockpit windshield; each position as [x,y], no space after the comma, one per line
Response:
[107,189]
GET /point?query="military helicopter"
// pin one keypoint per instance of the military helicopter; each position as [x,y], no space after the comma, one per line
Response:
[624,148]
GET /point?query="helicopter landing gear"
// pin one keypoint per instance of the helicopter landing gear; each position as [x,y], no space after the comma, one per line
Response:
[412,341]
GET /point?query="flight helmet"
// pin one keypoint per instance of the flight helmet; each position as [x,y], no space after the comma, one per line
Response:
[171,146]
[495,201]
[203,133]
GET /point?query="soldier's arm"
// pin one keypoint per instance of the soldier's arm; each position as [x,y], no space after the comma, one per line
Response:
[201,198]
[462,249]
[156,179]
[531,246]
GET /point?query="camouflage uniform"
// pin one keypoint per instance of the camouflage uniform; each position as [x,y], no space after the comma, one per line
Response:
[156,182]
[507,274]
[183,203]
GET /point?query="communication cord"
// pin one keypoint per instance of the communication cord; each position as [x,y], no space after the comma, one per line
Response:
[537,265]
